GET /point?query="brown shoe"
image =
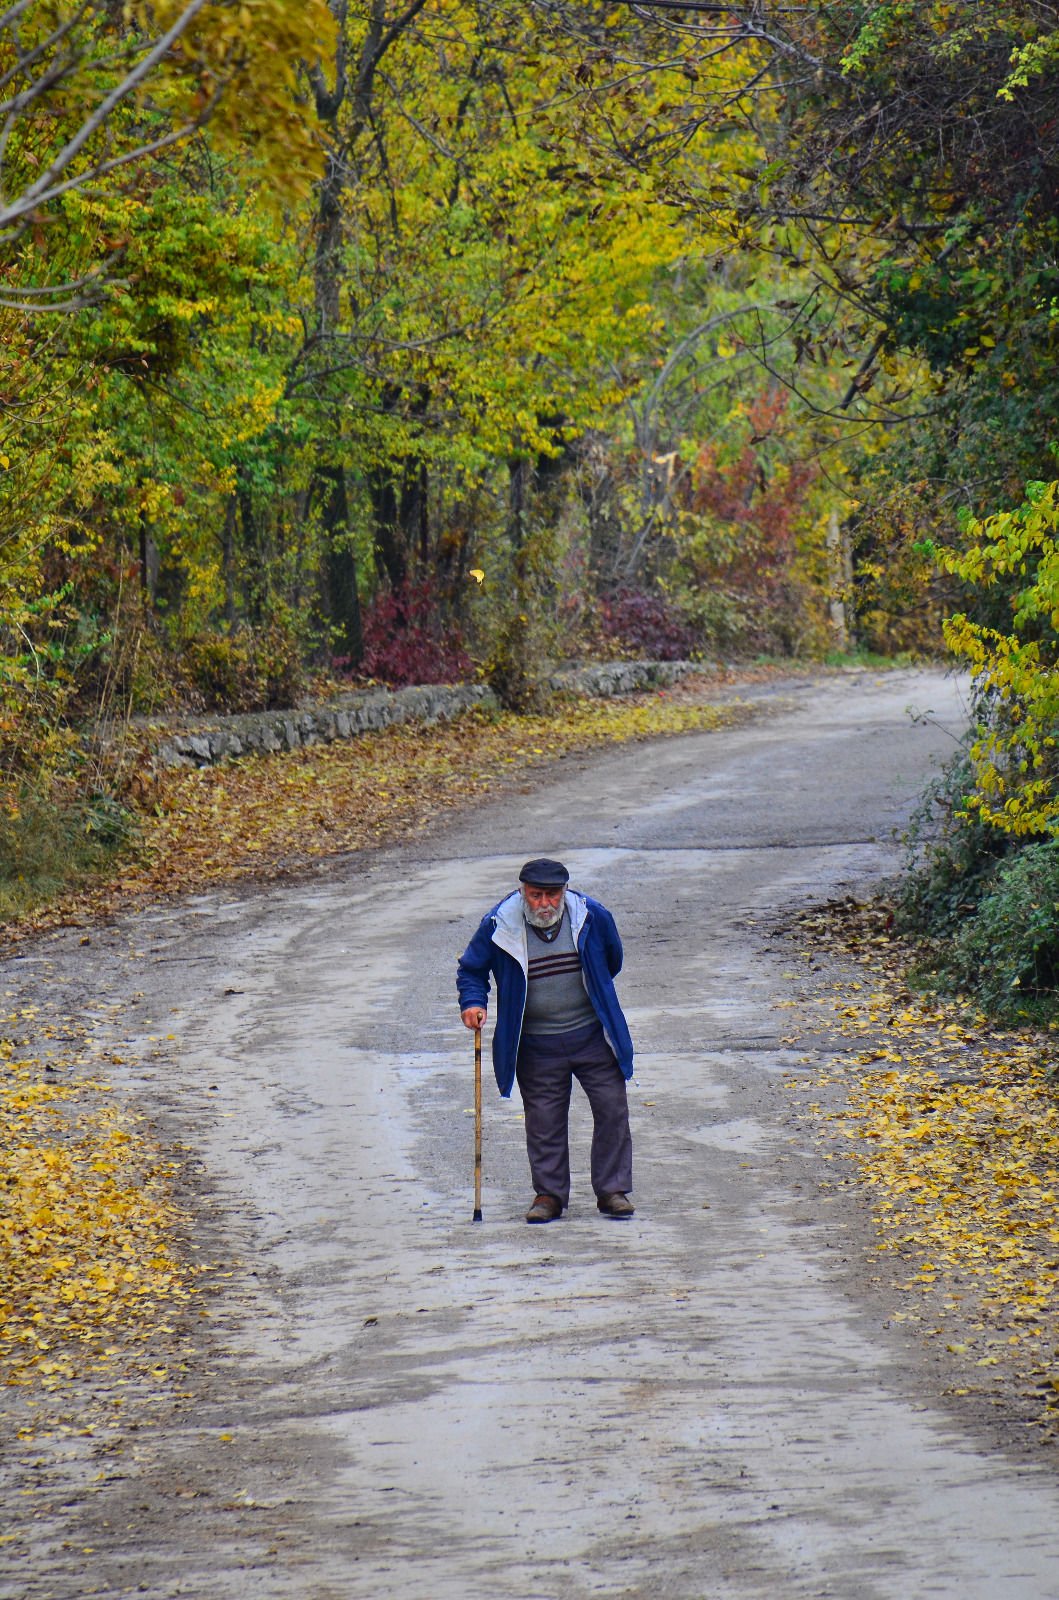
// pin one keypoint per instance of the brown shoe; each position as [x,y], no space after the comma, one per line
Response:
[545,1208]
[615,1205]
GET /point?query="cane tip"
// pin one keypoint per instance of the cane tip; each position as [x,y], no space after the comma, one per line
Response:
[477,1217]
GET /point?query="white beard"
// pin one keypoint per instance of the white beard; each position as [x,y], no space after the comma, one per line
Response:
[547,916]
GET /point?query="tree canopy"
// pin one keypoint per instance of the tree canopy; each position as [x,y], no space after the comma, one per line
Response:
[677,328]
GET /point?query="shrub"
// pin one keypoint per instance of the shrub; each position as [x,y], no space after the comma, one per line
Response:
[517,667]
[1009,951]
[986,903]
[245,671]
[952,858]
[406,639]
[720,621]
[648,625]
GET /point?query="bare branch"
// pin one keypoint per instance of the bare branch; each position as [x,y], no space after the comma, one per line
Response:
[25,62]
[329,101]
[45,188]
[104,167]
[56,288]
[858,377]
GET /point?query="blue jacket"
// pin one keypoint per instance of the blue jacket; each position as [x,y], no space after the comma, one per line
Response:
[500,947]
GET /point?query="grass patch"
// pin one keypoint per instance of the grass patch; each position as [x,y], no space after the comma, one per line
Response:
[50,845]
[869,659]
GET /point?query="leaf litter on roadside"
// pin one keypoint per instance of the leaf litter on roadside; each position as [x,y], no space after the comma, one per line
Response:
[91,1271]
[954,1134]
[263,817]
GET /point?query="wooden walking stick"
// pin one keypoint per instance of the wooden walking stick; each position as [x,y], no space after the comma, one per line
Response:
[477,1125]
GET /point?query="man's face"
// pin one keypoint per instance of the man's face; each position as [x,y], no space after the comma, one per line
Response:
[544,907]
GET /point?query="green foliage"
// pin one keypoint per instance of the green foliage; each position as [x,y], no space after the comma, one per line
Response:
[1008,953]
[952,858]
[984,907]
[984,904]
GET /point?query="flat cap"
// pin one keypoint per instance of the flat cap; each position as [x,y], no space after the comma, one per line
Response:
[544,874]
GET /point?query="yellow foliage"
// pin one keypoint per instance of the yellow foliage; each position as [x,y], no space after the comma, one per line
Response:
[1017,681]
[953,1129]
[87,1230]
[256,48]
[978,1164]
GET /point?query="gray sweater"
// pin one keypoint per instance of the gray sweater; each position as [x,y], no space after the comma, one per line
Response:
[556,998]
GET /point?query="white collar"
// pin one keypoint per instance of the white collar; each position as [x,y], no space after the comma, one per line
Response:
[510,930]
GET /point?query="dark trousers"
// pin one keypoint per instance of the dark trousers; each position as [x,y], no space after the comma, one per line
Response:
[547,1065]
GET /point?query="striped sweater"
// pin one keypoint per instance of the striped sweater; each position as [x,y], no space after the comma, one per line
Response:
[556,998]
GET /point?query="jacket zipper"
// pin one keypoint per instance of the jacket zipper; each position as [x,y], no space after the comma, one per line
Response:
[525,996]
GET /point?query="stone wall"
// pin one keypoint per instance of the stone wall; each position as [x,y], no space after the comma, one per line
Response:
[362,710]
[346,716]
[623,677]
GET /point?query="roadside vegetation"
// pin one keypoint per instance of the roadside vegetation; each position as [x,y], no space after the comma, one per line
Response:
[979,902]
[949,1128]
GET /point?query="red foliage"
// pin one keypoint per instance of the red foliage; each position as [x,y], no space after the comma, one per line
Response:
[763,515]
[406,640]
[647,624]
[760,517]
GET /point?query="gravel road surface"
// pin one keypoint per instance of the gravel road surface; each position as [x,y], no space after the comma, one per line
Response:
[689,1406]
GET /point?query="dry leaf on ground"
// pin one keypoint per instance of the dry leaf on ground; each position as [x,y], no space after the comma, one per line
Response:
[952,1125]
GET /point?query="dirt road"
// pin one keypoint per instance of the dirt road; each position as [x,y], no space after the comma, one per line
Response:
[689,1406]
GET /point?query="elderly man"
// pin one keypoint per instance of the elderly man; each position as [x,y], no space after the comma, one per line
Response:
[555,954]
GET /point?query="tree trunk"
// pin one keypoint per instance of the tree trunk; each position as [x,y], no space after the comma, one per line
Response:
[257,576]
[837,562]
[327,273]
[228,561]
[342,596]
[517,474]
[148,561]
[414,513]
[389,553]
